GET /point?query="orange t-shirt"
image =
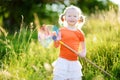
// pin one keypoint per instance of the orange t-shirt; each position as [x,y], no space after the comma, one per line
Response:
[72,39]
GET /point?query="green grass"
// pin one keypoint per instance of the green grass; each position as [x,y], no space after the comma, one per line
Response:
[23,58]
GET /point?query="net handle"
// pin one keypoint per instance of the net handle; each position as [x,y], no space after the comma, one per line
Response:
[86,59]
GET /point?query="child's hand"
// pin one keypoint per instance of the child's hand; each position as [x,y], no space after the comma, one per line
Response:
[56,37]
[82,54]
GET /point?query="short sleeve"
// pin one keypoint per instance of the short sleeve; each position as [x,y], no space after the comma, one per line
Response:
[80,35]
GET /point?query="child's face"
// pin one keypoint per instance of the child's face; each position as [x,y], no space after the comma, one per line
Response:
[72,17]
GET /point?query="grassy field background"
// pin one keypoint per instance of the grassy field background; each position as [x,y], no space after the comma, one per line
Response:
[23,58]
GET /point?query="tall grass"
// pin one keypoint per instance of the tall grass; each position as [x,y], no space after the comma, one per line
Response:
[103,39]
[23,58]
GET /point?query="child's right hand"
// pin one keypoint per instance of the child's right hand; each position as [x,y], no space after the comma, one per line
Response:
[56,37]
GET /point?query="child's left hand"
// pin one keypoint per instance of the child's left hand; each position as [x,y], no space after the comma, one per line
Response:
[82,54]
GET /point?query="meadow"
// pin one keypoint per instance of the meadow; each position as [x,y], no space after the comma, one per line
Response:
[23,58]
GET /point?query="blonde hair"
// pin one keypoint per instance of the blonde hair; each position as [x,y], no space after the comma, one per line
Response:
[82,18]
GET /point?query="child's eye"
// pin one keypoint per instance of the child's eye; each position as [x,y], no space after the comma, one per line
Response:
[75,16]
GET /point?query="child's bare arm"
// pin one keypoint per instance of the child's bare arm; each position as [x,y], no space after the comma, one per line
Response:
[82,53]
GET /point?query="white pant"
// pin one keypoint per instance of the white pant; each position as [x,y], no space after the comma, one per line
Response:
[67,70]
[56,77]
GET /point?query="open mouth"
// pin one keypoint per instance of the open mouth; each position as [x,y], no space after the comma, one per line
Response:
[71,21]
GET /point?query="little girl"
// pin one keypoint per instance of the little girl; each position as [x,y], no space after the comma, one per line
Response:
[67,66]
